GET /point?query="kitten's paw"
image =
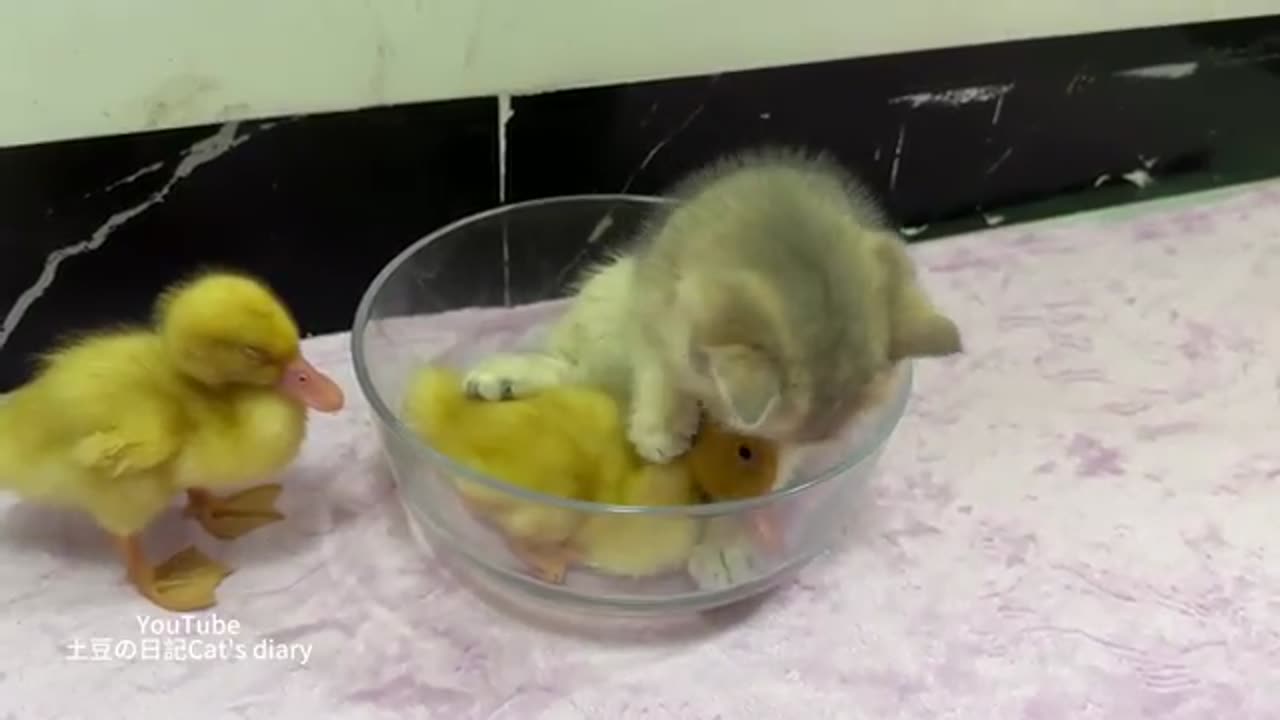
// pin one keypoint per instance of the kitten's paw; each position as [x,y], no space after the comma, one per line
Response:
[685,418]
[509,377]
[489,386]
[707,568]
[660,437]
[715,567]
[657,443]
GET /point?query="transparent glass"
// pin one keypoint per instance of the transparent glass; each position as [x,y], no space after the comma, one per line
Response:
[529,253]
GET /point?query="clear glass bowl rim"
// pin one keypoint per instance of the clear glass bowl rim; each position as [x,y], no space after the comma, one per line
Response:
[876,440]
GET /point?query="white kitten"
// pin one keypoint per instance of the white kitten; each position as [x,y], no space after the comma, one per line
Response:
[771,293]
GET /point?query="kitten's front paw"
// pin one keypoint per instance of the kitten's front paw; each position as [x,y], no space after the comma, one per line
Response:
[685,418]
[485,385]
[715,567]
[657,443]
[708,568]
[660,437]
[508,377]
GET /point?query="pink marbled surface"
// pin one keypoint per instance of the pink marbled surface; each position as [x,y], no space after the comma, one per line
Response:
[1074,521]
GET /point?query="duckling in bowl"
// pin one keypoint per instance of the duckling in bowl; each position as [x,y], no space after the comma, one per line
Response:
[570,442]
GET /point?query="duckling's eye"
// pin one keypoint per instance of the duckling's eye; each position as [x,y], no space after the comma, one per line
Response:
[253,354]
[744,453]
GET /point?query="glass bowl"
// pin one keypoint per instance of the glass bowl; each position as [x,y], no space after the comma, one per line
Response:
[490,282]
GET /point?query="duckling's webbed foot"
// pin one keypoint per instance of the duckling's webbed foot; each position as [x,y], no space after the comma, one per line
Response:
[184,583]
[235,515]
[548,563]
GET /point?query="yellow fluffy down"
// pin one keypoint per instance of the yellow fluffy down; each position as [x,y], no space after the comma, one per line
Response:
[571,442]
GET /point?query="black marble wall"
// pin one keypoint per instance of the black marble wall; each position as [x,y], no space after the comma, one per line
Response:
[91,230]
[940,135]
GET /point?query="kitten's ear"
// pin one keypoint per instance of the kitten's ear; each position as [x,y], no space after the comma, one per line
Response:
[746,380]
[916,327]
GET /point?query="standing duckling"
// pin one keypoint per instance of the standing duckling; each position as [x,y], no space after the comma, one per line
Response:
[214,395]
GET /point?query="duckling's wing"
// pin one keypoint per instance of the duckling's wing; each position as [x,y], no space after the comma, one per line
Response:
[105,405]
[123,450]
[97,434]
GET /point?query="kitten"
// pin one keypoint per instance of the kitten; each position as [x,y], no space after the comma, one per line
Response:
[771,293]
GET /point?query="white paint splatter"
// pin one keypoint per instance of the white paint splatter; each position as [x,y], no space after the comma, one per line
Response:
[992,219]
[1140,178]
[199,153]
[1163,71]
[1000,160]
[1247,59]
[913,231]
[1078,82]
[955,97]
[135,175]
[600,229]
[505,113]
[572,265]
[648,158]
[897,156]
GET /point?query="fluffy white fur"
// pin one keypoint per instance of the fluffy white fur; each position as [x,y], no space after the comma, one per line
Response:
[771,294]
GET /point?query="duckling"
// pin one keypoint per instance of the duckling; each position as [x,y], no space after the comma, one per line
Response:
[214,394]
[570,441]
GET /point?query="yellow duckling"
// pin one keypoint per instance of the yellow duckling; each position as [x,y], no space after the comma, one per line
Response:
[115,424]
[570,441]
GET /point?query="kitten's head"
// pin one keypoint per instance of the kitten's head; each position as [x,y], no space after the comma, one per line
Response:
[797,362]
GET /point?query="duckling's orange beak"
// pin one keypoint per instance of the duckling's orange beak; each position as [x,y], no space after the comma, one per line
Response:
[303,382]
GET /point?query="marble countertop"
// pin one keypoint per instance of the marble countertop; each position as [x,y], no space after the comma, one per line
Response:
[1073,521]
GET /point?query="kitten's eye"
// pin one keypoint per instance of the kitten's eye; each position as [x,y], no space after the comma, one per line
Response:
[744,453]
